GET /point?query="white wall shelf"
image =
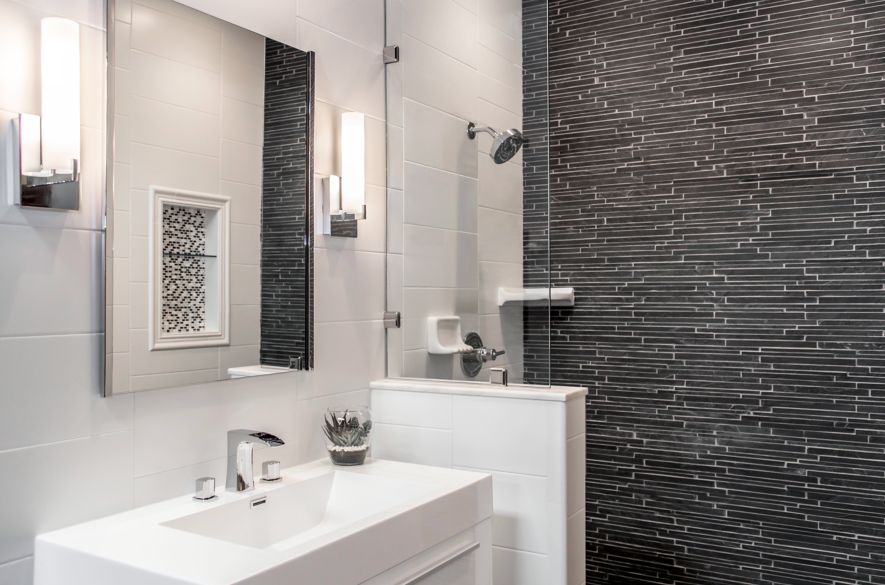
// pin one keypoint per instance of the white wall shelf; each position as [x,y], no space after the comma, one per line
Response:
[557,296]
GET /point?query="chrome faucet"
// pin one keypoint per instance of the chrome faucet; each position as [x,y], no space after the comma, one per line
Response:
[240,444]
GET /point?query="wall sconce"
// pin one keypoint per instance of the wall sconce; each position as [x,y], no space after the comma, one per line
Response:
[344,197]
[45,149]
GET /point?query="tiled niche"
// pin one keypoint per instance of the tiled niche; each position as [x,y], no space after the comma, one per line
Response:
[189,283]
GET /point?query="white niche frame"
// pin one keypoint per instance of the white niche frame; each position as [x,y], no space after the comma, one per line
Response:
[219,207]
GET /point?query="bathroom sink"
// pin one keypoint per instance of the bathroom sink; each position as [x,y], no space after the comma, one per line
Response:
[318,525]
[302,510]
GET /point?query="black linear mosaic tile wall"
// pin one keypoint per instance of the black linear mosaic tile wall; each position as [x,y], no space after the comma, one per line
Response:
[718,201]
[286,267]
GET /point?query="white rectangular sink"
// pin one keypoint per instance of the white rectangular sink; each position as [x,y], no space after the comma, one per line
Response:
[301,511]
[345,524]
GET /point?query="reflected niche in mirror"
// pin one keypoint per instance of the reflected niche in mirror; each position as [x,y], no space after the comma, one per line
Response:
[208,268]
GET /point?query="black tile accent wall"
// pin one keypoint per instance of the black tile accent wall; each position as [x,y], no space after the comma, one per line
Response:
[718,201]
[286,255]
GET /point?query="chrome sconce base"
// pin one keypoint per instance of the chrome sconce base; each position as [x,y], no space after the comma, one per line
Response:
[331,220]
[40,190]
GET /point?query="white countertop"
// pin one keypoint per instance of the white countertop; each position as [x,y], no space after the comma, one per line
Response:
[472,388]
[138,547]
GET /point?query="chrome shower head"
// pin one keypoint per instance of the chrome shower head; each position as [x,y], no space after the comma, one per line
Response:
[505,144]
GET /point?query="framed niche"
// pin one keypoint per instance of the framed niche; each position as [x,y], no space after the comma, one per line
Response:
[189,269]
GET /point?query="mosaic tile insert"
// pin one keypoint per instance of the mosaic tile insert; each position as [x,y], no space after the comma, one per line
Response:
[183,293]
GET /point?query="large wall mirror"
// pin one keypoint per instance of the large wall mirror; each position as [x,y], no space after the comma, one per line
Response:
[209,200]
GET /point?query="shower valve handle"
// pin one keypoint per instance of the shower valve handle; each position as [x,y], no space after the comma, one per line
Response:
[488,354]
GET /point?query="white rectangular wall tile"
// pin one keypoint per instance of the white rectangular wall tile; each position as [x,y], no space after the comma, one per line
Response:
[361,22]
[56,403]
[486,428]
[334,270]
[439,258]
[174,83]
[20,572]
[443,24]
[174,428]
[61,484]
[437,79]
[167,35]
[436,139]
[347,74]
[513,567]
[413,444]
[417,409]
[271,18]
[50,284]
[521,521]
[500,186]
[500,236]
[492,276]
[441,199]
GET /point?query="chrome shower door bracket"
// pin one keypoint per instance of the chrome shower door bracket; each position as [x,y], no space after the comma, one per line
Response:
[391,54]
[392,319]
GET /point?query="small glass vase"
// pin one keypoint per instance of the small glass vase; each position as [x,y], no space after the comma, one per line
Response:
[348,435]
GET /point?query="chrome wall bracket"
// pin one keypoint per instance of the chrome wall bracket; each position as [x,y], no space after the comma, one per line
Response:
[44,189]
[391,54]
[330,219]
[393,319]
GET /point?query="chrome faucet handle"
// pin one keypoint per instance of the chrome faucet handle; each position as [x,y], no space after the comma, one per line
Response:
[494,353]
[270,471]
[205,489]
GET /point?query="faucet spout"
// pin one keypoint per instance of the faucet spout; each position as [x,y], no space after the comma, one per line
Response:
[240,447]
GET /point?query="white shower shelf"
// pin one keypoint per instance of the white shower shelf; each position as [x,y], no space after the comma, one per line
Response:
[557,296]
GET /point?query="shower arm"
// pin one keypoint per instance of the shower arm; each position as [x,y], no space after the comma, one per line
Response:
[472,129]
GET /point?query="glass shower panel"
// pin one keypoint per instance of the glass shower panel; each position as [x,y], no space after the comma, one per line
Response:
[468,189]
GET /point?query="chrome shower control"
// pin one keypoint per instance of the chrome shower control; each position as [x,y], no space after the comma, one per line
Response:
[205,489]
[270,471]
[473,360]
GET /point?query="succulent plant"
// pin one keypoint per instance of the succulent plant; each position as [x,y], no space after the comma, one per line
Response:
[346,430]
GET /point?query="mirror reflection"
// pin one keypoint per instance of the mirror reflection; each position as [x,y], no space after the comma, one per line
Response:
[209,214]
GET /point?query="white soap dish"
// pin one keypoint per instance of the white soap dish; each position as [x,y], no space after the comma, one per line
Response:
[444,336]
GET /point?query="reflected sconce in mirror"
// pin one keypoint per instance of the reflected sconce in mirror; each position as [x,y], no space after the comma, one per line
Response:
[44,154]
[344,197]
